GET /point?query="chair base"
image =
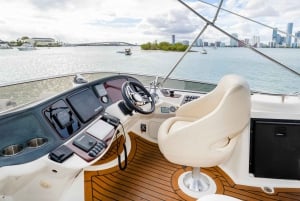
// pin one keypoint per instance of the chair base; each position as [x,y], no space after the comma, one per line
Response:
[195,181]
[196,184]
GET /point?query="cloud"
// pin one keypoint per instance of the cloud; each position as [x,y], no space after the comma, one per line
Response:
[174,22]
[138,20]
[50,4]
[117,22]
[254,9]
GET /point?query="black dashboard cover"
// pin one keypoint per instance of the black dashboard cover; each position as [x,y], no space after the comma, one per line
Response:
[61,154]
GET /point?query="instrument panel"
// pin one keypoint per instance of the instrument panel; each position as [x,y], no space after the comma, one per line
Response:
[57,119]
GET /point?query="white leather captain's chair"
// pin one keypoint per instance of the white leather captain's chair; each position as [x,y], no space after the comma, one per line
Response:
[204,131]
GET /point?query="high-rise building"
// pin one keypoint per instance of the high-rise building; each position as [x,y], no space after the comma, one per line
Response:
[173,39]
[279,40]
[274,35]
[234,43]
[297,39]
[256,41]
[200,42]
[289,31]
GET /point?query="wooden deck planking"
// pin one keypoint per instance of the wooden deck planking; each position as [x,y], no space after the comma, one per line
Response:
[149,176]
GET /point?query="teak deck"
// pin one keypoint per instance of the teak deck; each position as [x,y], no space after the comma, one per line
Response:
[149,176]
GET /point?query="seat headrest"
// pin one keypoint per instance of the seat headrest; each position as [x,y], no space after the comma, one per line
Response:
[232,81]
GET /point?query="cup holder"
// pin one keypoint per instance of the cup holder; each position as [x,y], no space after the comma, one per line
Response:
[12,150]
[36,142]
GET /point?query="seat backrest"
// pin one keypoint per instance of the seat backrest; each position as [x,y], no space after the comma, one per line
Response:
[207,127]
[232,111]
[206,104]
[227,109]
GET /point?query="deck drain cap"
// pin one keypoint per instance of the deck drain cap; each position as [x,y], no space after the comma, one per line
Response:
[268,190]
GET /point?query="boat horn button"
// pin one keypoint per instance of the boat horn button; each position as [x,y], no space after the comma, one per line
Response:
[137,97]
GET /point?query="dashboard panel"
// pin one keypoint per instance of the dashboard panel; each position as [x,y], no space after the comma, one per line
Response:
[57,119]
[113,88]
[85,104]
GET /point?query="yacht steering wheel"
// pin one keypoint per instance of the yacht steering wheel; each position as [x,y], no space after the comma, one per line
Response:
[136,96]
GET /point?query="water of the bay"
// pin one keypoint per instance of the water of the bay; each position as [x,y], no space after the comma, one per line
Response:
[262,74]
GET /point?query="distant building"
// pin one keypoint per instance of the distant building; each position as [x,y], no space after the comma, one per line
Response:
[255,41]
[247,41]
[199,43]
[205,44]
[272,44]
[281,40]
[233,42]
[277,39]
[275,36]
[218,43]
[173,39]
[42,41]
[185,42]
[297,39]
[289,31]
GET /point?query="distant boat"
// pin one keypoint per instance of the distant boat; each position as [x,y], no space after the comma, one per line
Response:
[5,46]
[127,51]
[203,51]
[26,47]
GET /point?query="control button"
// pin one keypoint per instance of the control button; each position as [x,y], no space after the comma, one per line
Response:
[97,149]
[102,144]
[104,99]
[92,153]
[189,98]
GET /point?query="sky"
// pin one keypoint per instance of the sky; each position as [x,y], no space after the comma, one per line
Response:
[140,21]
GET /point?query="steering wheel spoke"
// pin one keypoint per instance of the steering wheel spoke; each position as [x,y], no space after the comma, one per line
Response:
[136,96]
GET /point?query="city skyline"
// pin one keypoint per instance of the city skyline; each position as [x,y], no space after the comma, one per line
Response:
[277,40]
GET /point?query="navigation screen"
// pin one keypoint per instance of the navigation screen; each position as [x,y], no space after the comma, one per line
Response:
[85,104]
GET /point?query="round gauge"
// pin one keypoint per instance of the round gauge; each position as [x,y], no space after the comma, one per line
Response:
[173,109]
[104,99]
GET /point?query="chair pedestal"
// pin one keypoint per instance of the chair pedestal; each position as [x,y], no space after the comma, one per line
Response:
[195,181]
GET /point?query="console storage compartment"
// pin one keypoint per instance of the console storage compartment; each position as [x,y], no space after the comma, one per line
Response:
[275,148]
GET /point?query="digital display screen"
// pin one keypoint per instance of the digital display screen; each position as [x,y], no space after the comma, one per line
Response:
[164,109]
[85,104]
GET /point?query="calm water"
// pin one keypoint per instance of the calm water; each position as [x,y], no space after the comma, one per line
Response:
[261,74]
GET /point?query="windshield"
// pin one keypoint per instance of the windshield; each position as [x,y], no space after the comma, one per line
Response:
[73,36]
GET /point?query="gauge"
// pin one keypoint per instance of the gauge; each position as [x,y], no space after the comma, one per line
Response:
[172,109]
